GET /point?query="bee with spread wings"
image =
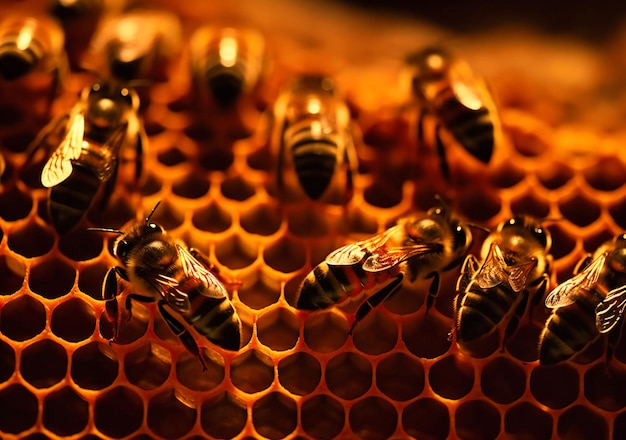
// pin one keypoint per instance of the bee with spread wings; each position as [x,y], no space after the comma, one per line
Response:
[588,304]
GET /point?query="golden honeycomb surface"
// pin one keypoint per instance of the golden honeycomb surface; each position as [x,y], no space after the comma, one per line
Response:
[299,375]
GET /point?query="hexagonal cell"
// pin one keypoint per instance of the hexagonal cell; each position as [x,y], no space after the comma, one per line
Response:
[216,159]
[94,366]
[7,361]
[275,415]
[452,377]
[605,386]
[523,343]
[477,419]
[285,255]
[373,418]
[80,244]
[22,318]
[507,175]
[12,273]
[258,295]
[172,157]
[19,409]
[236,188]
[555,386]
[151,185]
[65,412]
[118,412]
[531,203]
[555,176]
[148,366]
[252,371]
[617,209]
[73,320]
[31,240]
[300,373]
[382,195]
[376,334]
[261,219]
[167,215]
[51,278]
[212,218]
[528,142]
[401,377]
[278,329]
[189,371]
[131,328]
[308,221]
[525,420]
[503,380]
[348,375]
[478,205]
[580,209]
[426,337]
[43,363]
[223,416]
[426,418]
[15,204]
[562,241]
[236,253]
[192,186]
[170,414]
[607,174]
[322,417]
[582,423]
[325,331]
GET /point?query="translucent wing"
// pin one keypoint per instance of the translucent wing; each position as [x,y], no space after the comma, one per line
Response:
[388,258]
[519,273]
[195,270]
[168,287]
[565,293]
[466,86]
[355,253]
[611,309]
[493,270]
[59,166]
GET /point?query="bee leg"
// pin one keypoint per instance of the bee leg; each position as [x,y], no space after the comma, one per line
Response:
[433,290]
[109,295]
[441,151]
[142,140]
[182,333]
[134,297]
[386,292]
[584,262]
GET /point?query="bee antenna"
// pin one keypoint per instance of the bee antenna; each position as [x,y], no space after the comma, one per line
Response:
[110,230]
[480,228]
[152,212]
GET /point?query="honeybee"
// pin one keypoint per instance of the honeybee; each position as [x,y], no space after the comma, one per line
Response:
[226,62]
[312,133]
[161,268]
[589,303]
[103,120]
[134,45]
[515,266]
[446,87]
[32,44]
[418,246]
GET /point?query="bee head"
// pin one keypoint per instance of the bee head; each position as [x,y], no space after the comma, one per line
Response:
[108,103]
[517,225]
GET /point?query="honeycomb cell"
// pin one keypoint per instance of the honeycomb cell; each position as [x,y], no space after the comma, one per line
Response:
[14,204]
[236,253]
[555,176]
[132,326]
[252,371]
[51,278]
[172,157]
[503,380]
[170,414]
[285,255]
[426,418]
[523,344]
[478,205]
[43,363]
[212,218]
[216,159]
[308,222]
[507,175]
[607,174]
[73,320]
[555,386]
[236,188]
[452,377]
[477,419]
[148,366]
[376,334]
[151,185]
[19,409]
[7,361]
[300,373]
[426,337]
[118,412]
[528,142]
[275,415]
[80,245]
[617,209]
[22,318]
[322,417]
[193,186]
[94,366]
[261,219]
[400,377]
[580,209]
[531,204]
[525,420]
[65,412]
[258,295]
[12,274]
[189,371]
[373,418]
[223,416]
[325,332]
[168,215]
[31,240]
[278,329]
[582,423]
[605,387]
[348,375]
[382,195]
[562,242]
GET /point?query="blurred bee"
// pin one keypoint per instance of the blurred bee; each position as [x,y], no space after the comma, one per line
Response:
[2,164]
[589,303]
[419,246]
[91,135]
[32,44]
[161,268]
[515,259]
[135,45]
[447,88]
[226,63]
[312,133]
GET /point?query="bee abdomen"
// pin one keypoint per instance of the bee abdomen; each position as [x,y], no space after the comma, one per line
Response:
[70,200]
[226,83]
[324,286]
[217,320]
[314,161]
[482,310]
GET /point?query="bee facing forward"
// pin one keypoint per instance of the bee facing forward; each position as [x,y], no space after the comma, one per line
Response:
[447,88]
[163,269]
[515,259]
[86,159]
[312,135]
[416,247]
[589,303]
[226,62]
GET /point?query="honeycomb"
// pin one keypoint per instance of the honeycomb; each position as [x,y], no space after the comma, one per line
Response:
[299,375]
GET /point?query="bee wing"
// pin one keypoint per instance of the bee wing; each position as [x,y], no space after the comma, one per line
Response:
[175,297]
[389,258]
[564,294]
[611,309]
[355,252]
[111,148]
[493,270]
[196,270]
[59,166]
[519,273]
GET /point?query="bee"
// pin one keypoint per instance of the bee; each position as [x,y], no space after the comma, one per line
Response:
[418,246]
[446,87]
[588,304]
[91,135]
[32,44]
[2,164]
[312,133]
[134,45]
[226,62]
[161,268]
[516,260]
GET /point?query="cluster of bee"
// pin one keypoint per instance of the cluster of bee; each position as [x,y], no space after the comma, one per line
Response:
[313,144]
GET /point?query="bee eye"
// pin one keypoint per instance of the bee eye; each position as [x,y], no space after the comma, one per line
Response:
[460,237]
[541,236]
[153,227]
[121,249]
